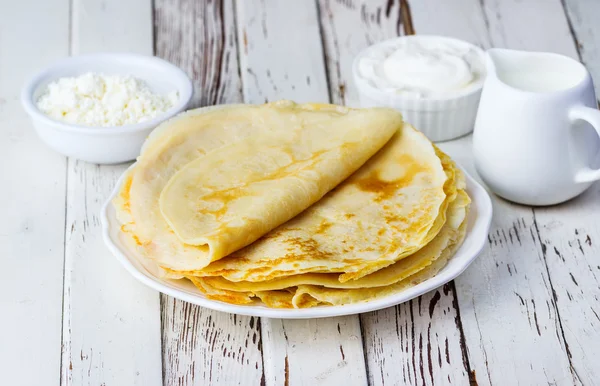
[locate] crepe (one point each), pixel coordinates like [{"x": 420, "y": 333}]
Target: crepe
[
  {"x": 383, "y": 277},
  {"x": 394, "y": 205},
  {"x": 311, "y": 289},
  {"x": 310, "y": 295},
  {"x": 210, "y": 183}
]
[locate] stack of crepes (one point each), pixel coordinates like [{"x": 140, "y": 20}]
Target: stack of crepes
[{"x": 294, "y": 205}]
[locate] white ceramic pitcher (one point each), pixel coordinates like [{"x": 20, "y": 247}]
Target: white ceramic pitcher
[{"x": 536, "y": 137}]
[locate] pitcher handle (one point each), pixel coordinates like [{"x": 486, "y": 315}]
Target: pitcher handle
[{"x": 591, "y": 116}]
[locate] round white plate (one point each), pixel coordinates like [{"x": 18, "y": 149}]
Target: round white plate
[{"x": 480, "y": 217}]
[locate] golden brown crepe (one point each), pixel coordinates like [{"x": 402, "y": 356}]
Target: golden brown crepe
[
  {"x": 391, "y": 207},
  {"x": 311, "y": 289},
  {"x": 215, "y": 181},
  {"x": 293, "y": 205}
]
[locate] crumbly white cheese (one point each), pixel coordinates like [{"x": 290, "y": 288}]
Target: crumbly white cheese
[{"x": 103, "y": 100}]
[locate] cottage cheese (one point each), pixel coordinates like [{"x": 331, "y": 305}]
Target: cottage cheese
[{"x": 103, "y": 100}]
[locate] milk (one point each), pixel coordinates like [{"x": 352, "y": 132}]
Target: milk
[{"x": 538, "y": 80}]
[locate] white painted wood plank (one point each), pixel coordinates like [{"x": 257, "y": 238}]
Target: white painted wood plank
[
  {"x": 281, "y": 57},
  {"x": 205, "y": 347},
  {"x": 199, "y": 37},
  {"x": 202, "y": 346},
  {"x": 313, "y": 352},
  {"x": 112, "y": 25},
  {"x": 569, "y": 237},
  {"x": 111, "y": 330},
  {"x": 348, "y": 28},
  {"x": 538, "y": 25},
  {"x": 280, "y": 51},
  {"x": 461, "y": 19},
  {"x": 32, "y": 201},
  {"x": 418, "y": 342}
]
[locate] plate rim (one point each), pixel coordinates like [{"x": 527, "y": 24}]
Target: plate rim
[{"x": 480, "y": 228}]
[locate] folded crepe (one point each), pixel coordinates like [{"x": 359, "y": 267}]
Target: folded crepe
[
  {"x": 394, "y": 205},
  {"x": 306, "y": 290},
  {"x": 211, "y": 182},
  {"x": 310, "y": 289}
]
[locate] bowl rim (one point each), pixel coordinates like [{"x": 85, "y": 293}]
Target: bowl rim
[
  {"x": 364, "y": 86},
  {"x": 185, "y": 94}
]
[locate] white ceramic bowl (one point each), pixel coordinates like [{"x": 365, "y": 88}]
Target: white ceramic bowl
[
  {"x": 440, "y": 119},
  {"x": 104, "y": 145}
]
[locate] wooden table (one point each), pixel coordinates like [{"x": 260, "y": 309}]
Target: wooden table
[{"x": 526, "y": 312}]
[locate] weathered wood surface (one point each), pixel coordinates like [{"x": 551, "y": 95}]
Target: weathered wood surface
[
  {"x": 201, "y": 346},
  {"x": 277, "y": 65},
  {"x": 526, "y": 312},
  {"x": 32, "y": 201},
  {"x": 111, "y": 322}
]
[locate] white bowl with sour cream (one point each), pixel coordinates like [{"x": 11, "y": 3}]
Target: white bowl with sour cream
[{"x": 434, "y": 81}]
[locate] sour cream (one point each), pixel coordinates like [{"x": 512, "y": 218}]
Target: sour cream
[{"x": 422, "y": 67}]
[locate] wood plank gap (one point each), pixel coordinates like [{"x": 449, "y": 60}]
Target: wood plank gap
[
  {"x": 263, "y": 378},
  {"x": 154, "y": 27},
  {"x": 405, "y": 19},
  {"x": 543, "y": 248},
  {"x": 463, "y": 341},
  {"x": 574, "y": 35},
  {"x": 238, "y": 52},
  {"x": 162, "y": 304},
  {"x": 486, "y": 20},
  {"x": 364, "y": 344},
  {"x": 324, "y": 50},
  {"x": 221, "y": 51},
  {"x": 571, "y": 29},
  {"x": 62, "y": 318}
]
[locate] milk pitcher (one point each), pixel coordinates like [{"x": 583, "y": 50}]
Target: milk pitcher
[{"x": 536, "y": 139}]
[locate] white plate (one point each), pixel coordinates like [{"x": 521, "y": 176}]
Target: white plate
[{"x": 480, "y": 217}]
